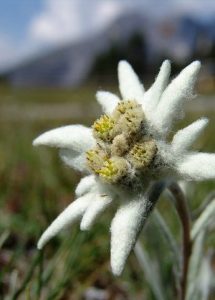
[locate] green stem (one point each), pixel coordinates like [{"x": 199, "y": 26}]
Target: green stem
[
  {"x": 182, "y": 210},
  {"x": 40, "y": 273},
  {"x": 28, "y": 277}
]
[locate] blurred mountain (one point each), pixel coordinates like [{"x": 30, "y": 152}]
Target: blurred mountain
[
  {"x": 184, "y": 38},
  {"x": 71, "y": 64},
  {"x": 134, "y": 37}
]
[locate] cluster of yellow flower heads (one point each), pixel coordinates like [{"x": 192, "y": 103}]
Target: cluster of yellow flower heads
[{"x": 123, "y": 145}]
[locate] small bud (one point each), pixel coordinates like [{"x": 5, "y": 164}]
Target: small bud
[
  {"x": 102, "y": 128},
  {"x": 142, "y": 154},
  {"x": 95, "y": 159},
  {"x": 113, "y": 169},
  {"x": 123, "y": 107},
  {"x": 119, "y": 145},
  {"x": 128, "y": 117}
]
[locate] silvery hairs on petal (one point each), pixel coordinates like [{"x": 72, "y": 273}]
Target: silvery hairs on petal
[{"x": 127, "y": 150}]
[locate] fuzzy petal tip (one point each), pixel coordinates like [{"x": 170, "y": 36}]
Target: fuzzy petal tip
[{"x": 125, "y": 229}]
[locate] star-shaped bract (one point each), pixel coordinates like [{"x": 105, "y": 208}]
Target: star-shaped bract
[{"x": 161, "y": 105}]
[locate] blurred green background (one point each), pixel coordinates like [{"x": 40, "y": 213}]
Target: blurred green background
[{"x": 54, "y": 56}]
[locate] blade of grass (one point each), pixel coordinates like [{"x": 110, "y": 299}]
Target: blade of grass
[
  {"x": 195, "y": 262},
  {"x": 28, "y": 277},
  {"x": 204, "y": 220},
  {"x": 150, "y": 274}
]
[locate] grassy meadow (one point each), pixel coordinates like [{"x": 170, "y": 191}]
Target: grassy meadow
[{"x": 35, "y": 186}]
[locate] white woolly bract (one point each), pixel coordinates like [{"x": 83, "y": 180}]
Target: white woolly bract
[
  {"x": 76, "y": 137},
  {"x": 85, "y": 185},
  {"x": 74, "y": 159},
  {"x": 185, "y": 137},
  {"x": 197, "y": 166},
  {"x": 152, "y": 96},
  {"x": 161, "y": 105},
  {"x": 173, "y": 97},
  {"x": 129, "y": 84},
  {"x": 73, "y": 212},
  {"x": 125, "y": 228},
  {"x": 107, "y": 100},
  {"x": 100, "y": 203}
]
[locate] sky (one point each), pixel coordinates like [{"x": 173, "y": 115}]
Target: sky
[{"x": 28, "y": 27}]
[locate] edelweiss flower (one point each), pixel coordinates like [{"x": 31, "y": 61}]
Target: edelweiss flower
[{"x": 125, "y": 151}]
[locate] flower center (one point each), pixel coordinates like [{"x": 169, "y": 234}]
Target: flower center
[{"x": 123, "y": 146}]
